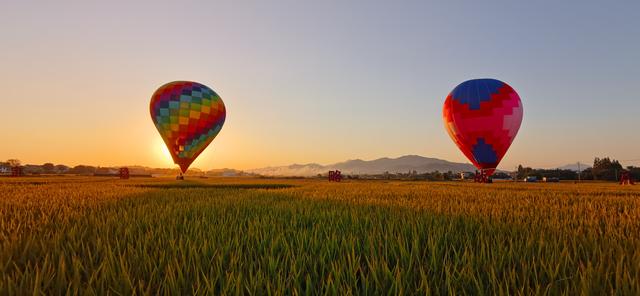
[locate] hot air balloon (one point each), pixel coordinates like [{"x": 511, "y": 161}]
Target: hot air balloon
[
  {"x": 188, "y": 116},
  {"x": 483, "y": 116}
]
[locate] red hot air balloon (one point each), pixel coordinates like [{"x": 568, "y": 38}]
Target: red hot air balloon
[
  {"x": 188, "y": 116},
  {"x": 483, "y": 116}
]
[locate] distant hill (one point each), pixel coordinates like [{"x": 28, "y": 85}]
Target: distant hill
[{"x": 378, "y": 166}]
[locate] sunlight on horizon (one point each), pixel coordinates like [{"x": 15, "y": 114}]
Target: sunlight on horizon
[{"x": 162, "y": 154}]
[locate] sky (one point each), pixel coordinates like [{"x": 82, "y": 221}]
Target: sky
[{"x": 316, "y": 81}]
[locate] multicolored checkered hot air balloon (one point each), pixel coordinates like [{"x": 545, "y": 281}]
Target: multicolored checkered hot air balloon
[
  {"x": 482, "y": 117},
  {"x": 188, "y": 116}
]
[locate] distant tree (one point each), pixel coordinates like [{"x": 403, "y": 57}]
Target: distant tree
[
  {"x": 82, "y": 170},
  {"x": 556, "y": 173},
  {"x": 48, "y": 168},
  {"x": 586, "y": 174},
  {"x": 61, "y": 168},
  {"x": 449, "y": 175},
  {"x": 438, "y": 176},
  {"x": 605, "y": 169},
  {"x": 33, "y": 169},
  {"x": 501, "y": 175},
  {"x": 14, "y": 162},
  {"x": 524, "y": 172},
  {"x": 520, "y": 174},
  {"x": 635, "y": 172}
]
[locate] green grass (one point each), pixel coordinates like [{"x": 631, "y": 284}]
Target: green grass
[{"x": 318, "y": 238}]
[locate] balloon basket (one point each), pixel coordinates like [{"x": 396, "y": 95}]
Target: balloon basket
[
  {"x": 482, "y": 177},
  {"x": 335, "y": 176},
  {"x": 180, "y": 177},
  {"x": 626, "y": 179}
]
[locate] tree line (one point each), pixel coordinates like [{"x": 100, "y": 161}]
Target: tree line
[{"x": 605, "y": 169}]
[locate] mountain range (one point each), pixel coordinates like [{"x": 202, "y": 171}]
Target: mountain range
[
  {"x": 401, "y": 164},
  {"x": 575, "y": 167}
]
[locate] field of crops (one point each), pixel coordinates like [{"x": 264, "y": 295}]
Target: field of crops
[{"x": 258, "y": 236}]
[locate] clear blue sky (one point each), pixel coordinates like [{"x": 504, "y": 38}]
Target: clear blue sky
[{"x": 316, "y": 81}]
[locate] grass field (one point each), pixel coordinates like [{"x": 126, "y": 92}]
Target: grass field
[{"x": 258, "y": 237}]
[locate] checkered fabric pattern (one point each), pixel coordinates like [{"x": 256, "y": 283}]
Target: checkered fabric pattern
[
  {"x": 188, "y": 116},
  {"x": 483, "y": 116}
]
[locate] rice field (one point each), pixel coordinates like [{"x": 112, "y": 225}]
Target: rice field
[{"x": 235, "y": 236}]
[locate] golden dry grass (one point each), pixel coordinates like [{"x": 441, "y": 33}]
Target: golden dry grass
[{"x": 240, "y": 236}]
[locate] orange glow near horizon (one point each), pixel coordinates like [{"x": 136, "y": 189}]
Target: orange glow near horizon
[
  {"x": 77, "y": 80},
  {"x": 162, "y": 154}
]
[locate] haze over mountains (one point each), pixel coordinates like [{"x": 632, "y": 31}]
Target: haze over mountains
[{"x": 401, "y": 164}]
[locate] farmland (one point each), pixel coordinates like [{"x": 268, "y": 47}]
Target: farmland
[{"x": 269, "y": 236}]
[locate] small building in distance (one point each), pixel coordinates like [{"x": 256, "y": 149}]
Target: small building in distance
[{"x": 5, "y": 168}]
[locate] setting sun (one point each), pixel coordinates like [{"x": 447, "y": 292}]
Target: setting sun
[{"x": 162, "y": 154}]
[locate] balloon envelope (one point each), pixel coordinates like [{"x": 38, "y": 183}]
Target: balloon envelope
[
  {"x": 188, "y": 116},
  {"x": 483, "y": 116}
]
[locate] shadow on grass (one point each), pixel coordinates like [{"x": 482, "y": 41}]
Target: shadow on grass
[{"x": 215, "y": 186}]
